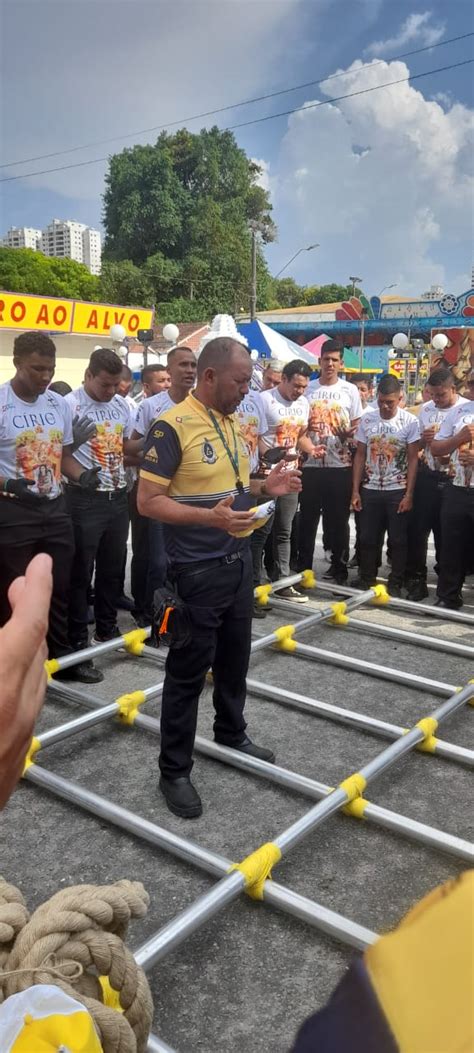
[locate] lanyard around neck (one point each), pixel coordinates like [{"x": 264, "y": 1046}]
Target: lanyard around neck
[{"x": 233, "y": 457}]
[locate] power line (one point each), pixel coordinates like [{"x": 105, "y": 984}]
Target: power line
[
  {"x": 232, "y": 106},
  {"x": 270, "y": 117}
]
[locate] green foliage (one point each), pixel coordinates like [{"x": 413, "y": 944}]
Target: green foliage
[
  {"x": 285, "y": 292},
  {"x": 27, "y": 271},
  {"x": 125, "y": 284}
]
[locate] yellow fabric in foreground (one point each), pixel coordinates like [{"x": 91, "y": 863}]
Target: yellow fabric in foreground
[
  {"x": 110, "y": 995},
  {"x": 128, "y": 706},
  {"x": 256, "y": 868},
  {"x": 51, "y": 666},
  {"x": 381, "y": 595},
  {"x": 262, "y": 593},
  {"x": 423, "y": 972},
  {"x": 339, "y": 617},
  {"x": 354, "y": 786},
  {"x": 308, "y": 580},
  {"x": 75, "y": 1033},
  {"x": 428, "y": 726}
]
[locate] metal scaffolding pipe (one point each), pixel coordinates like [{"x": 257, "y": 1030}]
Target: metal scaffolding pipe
[
  {"x": 156, "y": 1045},
  {"x": 413, "y": 638},
  {"x": 68, "y": 660},
  {"x": 104, "y": 710},
  {"x": 405, "y": 605},
  {"x": 319, "y": 616},
  {"x": 353, "y": 719},
  {"x": 394, "y": 821},
  {"x": 383, "y": 672},
  {"x": 314, "y": 914}
]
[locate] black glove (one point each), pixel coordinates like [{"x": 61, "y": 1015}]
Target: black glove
[
  {"x": 89, "y": 480},
  {"x": 82, "y": 430},
  {"x": 277, "y": 454},
  {"x": 21, "y": 488}
]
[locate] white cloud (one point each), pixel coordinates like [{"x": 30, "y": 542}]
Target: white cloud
[
  {"x": 264, "y": 179},
  {"x": 381, "y": 180},
  {"x": 417, "y": 28}
]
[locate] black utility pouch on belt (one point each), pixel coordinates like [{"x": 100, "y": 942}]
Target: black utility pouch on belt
[{"x": 171, "y": 621}]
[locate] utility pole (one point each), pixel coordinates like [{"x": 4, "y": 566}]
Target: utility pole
[
  {"x": 253, "y": 288},
  {"x": 191, "y": 290}
]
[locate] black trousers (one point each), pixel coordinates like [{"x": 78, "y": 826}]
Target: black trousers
[
  {"x": 424, "y": 518},
  {"x": 100, "y": 522},
  {"x": 326, "y": 492},
  {"x": 457, "y": 540},
  {"x": 219, "y": 599},
  {"x": 379, "y": 513},
  {"x": 140, "y": 562},
  {"x": 25, "y": 530}
]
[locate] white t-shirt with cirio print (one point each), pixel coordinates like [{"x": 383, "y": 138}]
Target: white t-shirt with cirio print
[
  {"x": 432, "y": 417},
  {"x": 32, "y": 436},
  {"x": 150, "y": 409},
  {"x": 104, "y": 450},
  {"x": 331, "y": 407},
  {"x": 283, "y": 420},
  {"x": 252, "y": 420},
  {"x": 387, "y": 441},
  {"x": 454, "y": 422}
]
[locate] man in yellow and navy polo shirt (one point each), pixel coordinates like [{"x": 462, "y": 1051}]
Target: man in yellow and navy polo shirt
[{"x": 195, "y": 479}]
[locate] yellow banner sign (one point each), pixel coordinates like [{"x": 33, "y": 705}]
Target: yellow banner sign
[
  {"x": 35, "y": 312},
  {"x": 45, "y": 313},
  {"x": 96, "y": 318}
]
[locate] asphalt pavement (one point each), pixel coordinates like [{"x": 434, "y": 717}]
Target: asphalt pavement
[{"x": 248, "y": 979}]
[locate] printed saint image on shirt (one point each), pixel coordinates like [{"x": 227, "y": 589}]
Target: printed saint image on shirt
[
  {"x": 387, "y": 461},
  {"x": 249, "y": 433},
  {"x": 107, "y": 452},
  {"x": 461, "y": 474},
  {"x": 427, "y": 458},
  {"x": 38, "y": 456},
  {"x": 286, "y": 434},
  {"x": 325, "y": 420}
]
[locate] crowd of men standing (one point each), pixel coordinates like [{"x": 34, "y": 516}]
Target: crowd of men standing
[{"x": 77, "y": 468}]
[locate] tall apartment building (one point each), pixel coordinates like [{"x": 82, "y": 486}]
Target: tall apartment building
[
  {"x": 22, "y": 238},
  {"x": 64, "y": 239},
  {"x": 434, "y": 293}
]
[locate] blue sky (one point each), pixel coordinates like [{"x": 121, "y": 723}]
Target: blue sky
[{"x": 382, "y": 181}]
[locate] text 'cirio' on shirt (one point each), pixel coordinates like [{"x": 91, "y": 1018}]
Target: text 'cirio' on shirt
[
  {"x": 32, "y": 436},
  {"x": 284, "y": 419},
  {"x": 387, "y": 441},
  {"x": 454, "y": 422},
  {"x": 151, "y": 408},
  {"x": 331, "y": 407},
  {"x": 183, "y": 451},
  {"x": 104, "y": 450},
  {"x": 430, "y": 416},
  {"x": 253, "y": 424}
]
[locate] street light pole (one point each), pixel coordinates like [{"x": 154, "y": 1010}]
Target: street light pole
[
  {"x": 354, "y": 279},
  {"x": 253, "y": 288},
  {"x": 305, "y": 248},
  {"x": 392, "y": 286}
]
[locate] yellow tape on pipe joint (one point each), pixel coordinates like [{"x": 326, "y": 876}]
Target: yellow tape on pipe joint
[
  {"x": 428, "y": 726},
  {"x": 128, "y": 706},
  {"x": 353, "y": 786},
  {"x": 34, "y": 746},
  {"x": 339, "y": 617},
  {"x": 134, "y": 641},
  {"x": 284, "y": 637},
  {"x": 257, "y": 867},
  {"x": 51, "y": 666},
  {"x": 308, "y": 580},
  {"x": 262, "y": 593},
  {"x": 381, "y": 595}
]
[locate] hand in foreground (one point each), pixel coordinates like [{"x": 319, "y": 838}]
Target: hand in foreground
[
  {"x": 406, "y": 504},
  {"x": 20, "y": 488},
  {"x": 283, "y": 480},
  {"x": 22, "y": 676},
  {"x": 356, "y": 503},
  {"x": 466, "y": 434},
  {"x": 83, "y": 429},
  {"x": 318, "y": 452},
  {"x": 222, "y": 517},
  {"x": 428, "y": 435},
  {"x": 344, "y": 434},
  {"x": 89, "y": 479}
]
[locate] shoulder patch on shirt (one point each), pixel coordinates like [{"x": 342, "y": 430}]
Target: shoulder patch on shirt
[{"x": 152, "y": 454}]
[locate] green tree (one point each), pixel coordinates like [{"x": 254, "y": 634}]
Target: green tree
[
  {"x": 126, "y": 284},
  {"x": 286, "y": 293},
  {"x": 27, "y": 271}
]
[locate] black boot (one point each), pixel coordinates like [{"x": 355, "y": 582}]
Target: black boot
[{"x": 181, "y": 797}]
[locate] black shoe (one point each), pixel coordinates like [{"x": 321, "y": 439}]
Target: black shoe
[
  {"x": 417, "y": 591},
  {"x": 124, "y": 603},
  {"x": 181, "y": 797},
  {"x": 359, "y": 583},
  {"x": 259, "y": 611},
  {"x": 455, "y": 606},
  {"x": 330, "y": 575},
  {"x": 394, "y": 591},
  {"x": 249, "y": 747},
  {"x": 113, "y": 635},
  {"x": 84, "y": 672}
]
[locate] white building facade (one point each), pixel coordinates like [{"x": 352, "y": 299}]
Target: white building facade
[
  {"x": 22, "y": 238},
  {"x": 62, "y": 239}
]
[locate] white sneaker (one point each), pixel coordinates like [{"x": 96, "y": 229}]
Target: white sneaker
[{"x": 291, "y": 594}]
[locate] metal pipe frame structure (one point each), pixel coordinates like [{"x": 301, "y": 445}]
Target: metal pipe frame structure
[
  {"x": 405, "y": 605},
  {"x": 251, "y": 875},
  {"x": 384, "y": 817}
]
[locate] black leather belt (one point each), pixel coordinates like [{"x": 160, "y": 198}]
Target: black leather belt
[{"x": 178, "y": 568}]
